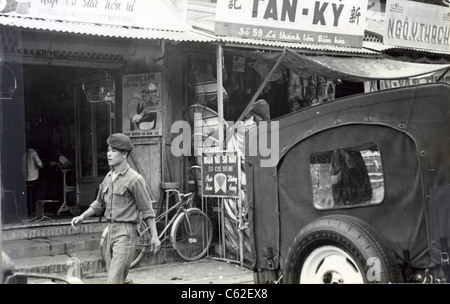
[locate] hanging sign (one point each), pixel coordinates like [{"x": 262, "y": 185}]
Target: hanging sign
[
  {"x": 154, "y": 14},
  {"x": 142, "y": 104},
  {"x": 417, "y": 25},
  {"x": 332, "y": 22},
  {"x": 220, "y": 174}
]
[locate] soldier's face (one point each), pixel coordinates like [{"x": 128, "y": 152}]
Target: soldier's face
[{"x": 115, "y": 156}]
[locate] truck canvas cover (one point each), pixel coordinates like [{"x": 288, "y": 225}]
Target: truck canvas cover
[{"x": 409, "y": 127}]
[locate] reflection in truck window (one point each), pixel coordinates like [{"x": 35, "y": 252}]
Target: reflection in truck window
[{"x": 347, "y": 177}]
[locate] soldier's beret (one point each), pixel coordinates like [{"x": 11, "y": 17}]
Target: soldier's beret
[{"x": 120, "y": 141}]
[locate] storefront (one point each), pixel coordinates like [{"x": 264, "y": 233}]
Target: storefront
[
  {"x": 289, "y": 56},
  {"x": 73, "y": 82},
  {"x": 401, "y": 34},
  {"x": 76, "y": 82}
]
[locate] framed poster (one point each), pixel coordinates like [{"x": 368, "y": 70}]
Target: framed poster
[
  {"x": 141, "y": 107},
  {"x": 221, "y": 174}
]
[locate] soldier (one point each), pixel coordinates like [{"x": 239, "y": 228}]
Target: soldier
[{"x": 122, "y": 196}]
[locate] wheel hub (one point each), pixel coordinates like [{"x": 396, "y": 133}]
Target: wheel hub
[
  {"x": 333, "y": 277},
  {"x": 330, "y": 265}
]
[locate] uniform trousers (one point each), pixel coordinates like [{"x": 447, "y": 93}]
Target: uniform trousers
[{"x": 121, "y": 245}]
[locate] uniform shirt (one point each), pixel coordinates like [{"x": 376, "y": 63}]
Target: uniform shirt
[
  {"x": 123, "y": 198},
  {"x": 32, "y": 163}
]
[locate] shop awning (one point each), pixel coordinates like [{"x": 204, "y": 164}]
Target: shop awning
[
  {"x": 345, "y": 68},
  {"x": 103, "y": 29}
]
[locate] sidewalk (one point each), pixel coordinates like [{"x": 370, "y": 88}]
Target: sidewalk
[{"x": 205, "y": 271}]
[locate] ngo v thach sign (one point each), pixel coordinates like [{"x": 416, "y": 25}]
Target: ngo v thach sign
[
  {"x": 418, "y": 25},
  {"x": 154, "y": 14},
  {"x": 332, "y": 22}
]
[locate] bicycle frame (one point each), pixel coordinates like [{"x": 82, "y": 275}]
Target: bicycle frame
[
  {"x": 182, "y": 215},
  {"x": 180, "y": 206}
]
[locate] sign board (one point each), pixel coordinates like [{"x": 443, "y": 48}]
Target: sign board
[
  {"x": 332, "y": 22},
  {"x": 376, "y": 14},
  {"x": 141, "y": 106},
  {"x": 154, "y": 14},
  {"x": 221, "y": 174},
  {"x": 417, "y": 25}
]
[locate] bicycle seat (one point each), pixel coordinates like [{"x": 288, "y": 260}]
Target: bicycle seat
[{"x": 186, "y": 194}]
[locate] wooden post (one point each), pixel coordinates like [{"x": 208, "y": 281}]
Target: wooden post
[
  {"x": 1, "y": 204},
  {"x": 220, "y": 94}
]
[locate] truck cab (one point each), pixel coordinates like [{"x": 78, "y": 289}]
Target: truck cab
[{"x": 360, "y": 192}]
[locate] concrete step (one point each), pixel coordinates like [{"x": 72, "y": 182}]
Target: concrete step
[
  {"x": 52, "y": 246},
  {"x": 49, "y": 228},
  {"x": 90, "y": 262}
]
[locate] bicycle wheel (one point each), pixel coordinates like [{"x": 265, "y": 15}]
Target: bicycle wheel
[
  {"x": 192, "y": 234},
  {"x": 104, "y": 243},
  {"x": 143, "y": 243}
]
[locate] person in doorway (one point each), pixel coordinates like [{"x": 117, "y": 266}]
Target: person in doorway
[
  {"x": 350, "y": 179},
  {"x": 31, "y": 166},
  {"x": 122, "y": 196}
]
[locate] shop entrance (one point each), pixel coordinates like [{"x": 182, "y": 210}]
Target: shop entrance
[{"x": 67, "y": 124}]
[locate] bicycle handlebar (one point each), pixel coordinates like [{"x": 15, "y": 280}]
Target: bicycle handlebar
[{"x": 179, "y": 193}]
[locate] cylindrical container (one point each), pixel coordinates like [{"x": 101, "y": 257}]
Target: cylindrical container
[{"x": 23, "y": 6}]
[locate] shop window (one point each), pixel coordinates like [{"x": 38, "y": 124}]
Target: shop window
[
  {"x": 95, "y": 125},
  {"x": 347, "y": 177}
]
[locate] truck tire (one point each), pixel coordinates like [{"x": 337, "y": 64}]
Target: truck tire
[{"x": 340, "y": 249}]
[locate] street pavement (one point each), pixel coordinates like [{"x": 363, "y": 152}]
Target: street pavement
[{"x": 205, "y": 271}]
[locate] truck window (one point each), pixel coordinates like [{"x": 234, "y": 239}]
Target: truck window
[{"x": 347, "y": 177}]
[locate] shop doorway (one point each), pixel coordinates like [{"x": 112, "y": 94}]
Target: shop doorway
[
  {"x": 94, "y": 123},
  {"x": 68, "y": 129}
]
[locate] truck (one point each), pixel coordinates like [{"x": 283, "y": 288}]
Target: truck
[{"x": 360, "y": 192}]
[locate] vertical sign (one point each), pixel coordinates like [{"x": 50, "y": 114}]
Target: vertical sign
[
  {"x": 220, "y": 173},
  {"x": 376, "y": 15},
  {"x": 141, "y": 105},
  {"x": 331, "y": 22}
]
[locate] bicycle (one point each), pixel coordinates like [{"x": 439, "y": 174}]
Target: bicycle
[{"x": 190, "y": 235}]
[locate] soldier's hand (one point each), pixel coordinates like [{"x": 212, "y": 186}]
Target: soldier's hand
[
  {"x": 155, "y": 244},
  {"x": 76, "y": 220}
]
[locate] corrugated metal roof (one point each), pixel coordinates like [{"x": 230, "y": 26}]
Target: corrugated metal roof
[
  {"x": 192, "y": 34},
  {"x": 102, "y": 29},
  {"x": 376, "y": 46},
  {"x": 298, "y": 46},
  {"x": 282, "y": 44}
]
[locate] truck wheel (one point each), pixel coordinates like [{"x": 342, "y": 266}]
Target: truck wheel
[{"x": 340, "y": 249}]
